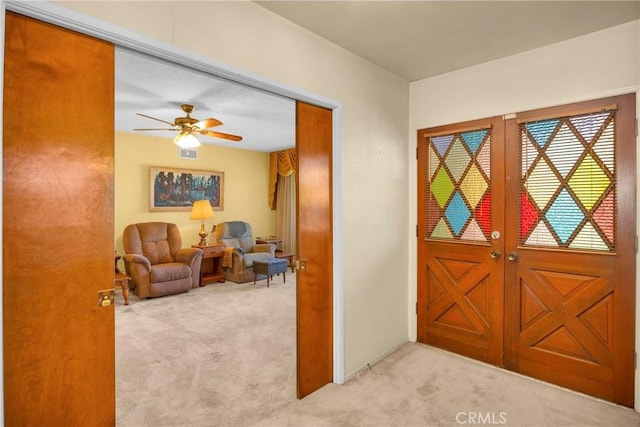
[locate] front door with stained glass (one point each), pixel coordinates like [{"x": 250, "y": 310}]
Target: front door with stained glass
[
  {"x": 461, "y": 275},
  {"x": 541, "y": 269},
  {"x": 570, "y": 269}
]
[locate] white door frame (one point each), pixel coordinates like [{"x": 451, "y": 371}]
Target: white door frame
[{"x": 123, "y": 38}]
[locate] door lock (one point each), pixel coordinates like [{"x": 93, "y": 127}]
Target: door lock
[
  {"x": 106, "y": 297},
  {"x": 512, "y": 256},
  {"x": 495, "y": 254},
  {"x": 300, "y": 264}
]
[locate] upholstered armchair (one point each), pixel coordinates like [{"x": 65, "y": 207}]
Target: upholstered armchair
[
  {"x": 156, "y": 262},
  {"x": 241, "y": 250}
]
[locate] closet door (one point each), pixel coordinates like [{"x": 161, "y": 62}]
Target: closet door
[{"x": 57, "y": 226}]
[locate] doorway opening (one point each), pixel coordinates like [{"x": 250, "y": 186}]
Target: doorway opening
[{"x": 58, "y": 17}]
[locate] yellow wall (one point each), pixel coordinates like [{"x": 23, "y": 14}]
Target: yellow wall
[{"x": 246, "y": 181}]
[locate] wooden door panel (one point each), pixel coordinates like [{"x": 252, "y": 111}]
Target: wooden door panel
[
  {"x": 565, "y": 319},
  {"x": 59, "y": 353},
  {"x": 460, "y": 293},
  {"x": 461, "y": 313},
  {"x": 315, "y": 245},
  {"x": 570, "y": 309}
]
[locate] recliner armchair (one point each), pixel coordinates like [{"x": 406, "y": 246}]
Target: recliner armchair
[
  {"x": 156, "y": 262},
  {"x": 239, "y": 236}
]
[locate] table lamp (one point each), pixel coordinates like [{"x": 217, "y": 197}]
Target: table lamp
[{"x": 201, "y": 210}]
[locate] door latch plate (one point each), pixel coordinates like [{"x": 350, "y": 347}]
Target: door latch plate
[{"x": 106, "y": 297}]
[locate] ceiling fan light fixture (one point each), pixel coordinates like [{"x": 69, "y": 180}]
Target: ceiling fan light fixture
[
  {"x": 186, "y": 140},
  {"x": 188, "y": 126}
]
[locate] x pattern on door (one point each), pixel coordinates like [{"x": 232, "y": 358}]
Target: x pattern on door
[
  {"x": 558, "y": 314},
  {"x": 458, "y": 294}
]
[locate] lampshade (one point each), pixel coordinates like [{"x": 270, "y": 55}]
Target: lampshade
[
  {"x": 186, "y": 140},
  {"x": 201, "y": 209}
]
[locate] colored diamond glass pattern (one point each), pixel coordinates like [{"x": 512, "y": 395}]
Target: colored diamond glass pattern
[
  {"x": 542, "y": 184},
  {"x": 441, "y": 143},
  {"x": 457, "y": 160},
  {"x": 564, "y": 141},
  {"x": 458, "y": 187},
  {"x": 541, "y": 131},
  {"x": 589, "y": 182},
  {"x": 564, "y": 216},
  {"x": 457, "y": 213},
  {"x": 567, "y": 182},
  {"x": 474, "y": 186},
  {"x": 442, "y": 187}
]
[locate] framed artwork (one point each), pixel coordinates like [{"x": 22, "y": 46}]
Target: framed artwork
[{"x": 173, "y": 189}]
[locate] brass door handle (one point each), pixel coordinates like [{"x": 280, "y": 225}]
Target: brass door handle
[
  {"x": 512, "y": 256},
  {"x": 300, "y": 264},
  {"x": 495, "y": 254}
]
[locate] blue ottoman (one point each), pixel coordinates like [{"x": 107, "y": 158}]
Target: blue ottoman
[{"x": 269, "y": 268}]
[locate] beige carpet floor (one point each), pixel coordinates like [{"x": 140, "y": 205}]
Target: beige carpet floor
[{"x": 224, "y": 355}]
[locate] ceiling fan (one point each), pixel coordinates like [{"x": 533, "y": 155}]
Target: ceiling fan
[{"x": 188, "y": 126}]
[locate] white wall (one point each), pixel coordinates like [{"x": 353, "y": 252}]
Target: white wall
[
  {"x": 593, "y": 66},
  {"x": 373, "y": 143},
  {"x": 597, "y": 65}
]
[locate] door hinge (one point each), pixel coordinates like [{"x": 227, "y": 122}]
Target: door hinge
[
  {"x": 636, "y": 129},
  {"x": 416, "y": 230},
  {"x": 635, "y": 360},
  {"x": 416, "y": 307},
  {"x": 635, "y": 244},
  {"x": 417, "y": 147}
]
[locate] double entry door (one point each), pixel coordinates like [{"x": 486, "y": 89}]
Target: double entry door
[{"x": 526, "y": 243}]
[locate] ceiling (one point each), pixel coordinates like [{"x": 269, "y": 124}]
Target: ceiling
[
  {"x": 157, "y": 88},
  {"x": 410, "y": 39},
  {"x": 419, "y": 39}
]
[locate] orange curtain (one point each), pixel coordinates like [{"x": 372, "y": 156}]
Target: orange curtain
[{"x": 281, "y": 163}]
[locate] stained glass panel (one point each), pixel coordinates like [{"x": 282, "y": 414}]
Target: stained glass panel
[
  {"x": 568, "y": 186},
  {"x": 458, "y": 188}
]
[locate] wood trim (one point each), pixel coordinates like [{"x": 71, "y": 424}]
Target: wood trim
[
  {"x": 563, "y": 111},
  {"x": 457, "y": 130},
  {"x": 625, "y": 295}
]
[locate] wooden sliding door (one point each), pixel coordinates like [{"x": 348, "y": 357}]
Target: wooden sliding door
[{"x": 57, "y": 226}]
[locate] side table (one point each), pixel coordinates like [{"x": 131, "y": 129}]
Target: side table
[
  {"x": 288, "y": 257},
  {"x": 211, "y": 266},
  {"x": 272, "y": 240},
  {"x": 122, "y": 280}
]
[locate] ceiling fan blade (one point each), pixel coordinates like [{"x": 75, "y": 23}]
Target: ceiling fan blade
[
  {"x": 208, "y": 123},
  {"x": 153, "y": 118},
  {"x": 221, "y": 135},
  {"x": 172, "y": 129}
]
